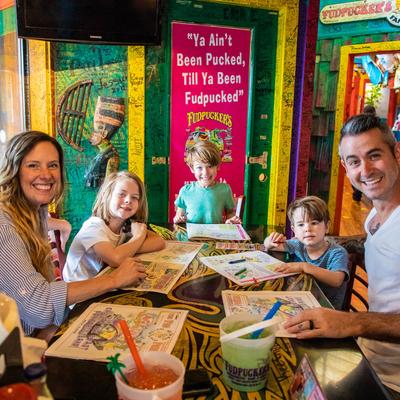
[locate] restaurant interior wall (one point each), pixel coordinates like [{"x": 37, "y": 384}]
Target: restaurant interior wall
[{"x": 141, "y": 75}]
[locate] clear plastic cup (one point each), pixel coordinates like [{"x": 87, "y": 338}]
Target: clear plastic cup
[
  {"x": 246, "y": 361},
  {"x": 151, "y": 359}
]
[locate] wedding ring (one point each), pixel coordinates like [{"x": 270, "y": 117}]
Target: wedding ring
[{"x": 311, "y": 324}]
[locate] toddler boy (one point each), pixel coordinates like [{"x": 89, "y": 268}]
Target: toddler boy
[{"x": 314, "y": 254}]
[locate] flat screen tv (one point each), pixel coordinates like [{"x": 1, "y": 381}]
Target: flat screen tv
[{"x": 99, "y": 21}]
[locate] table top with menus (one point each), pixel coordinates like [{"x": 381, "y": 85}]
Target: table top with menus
[{"x": 342, "y": 371}]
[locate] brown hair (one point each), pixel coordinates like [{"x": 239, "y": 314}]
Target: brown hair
[
  {"x": 101, "y": 207},
  {"x": 362, "y": 123},
  {"x": 26, "y": 220},
  {"x": 314, "y": 207},
  {"x": 204, "y": 151}
]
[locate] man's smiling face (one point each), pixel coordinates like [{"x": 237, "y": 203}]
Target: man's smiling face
[{"x": 370, "y": 164}]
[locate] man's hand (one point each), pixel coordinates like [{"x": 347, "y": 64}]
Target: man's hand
[{"x": 325, "y": 322}]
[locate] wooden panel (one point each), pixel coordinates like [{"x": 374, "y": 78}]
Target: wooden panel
[
  {"x": 308, "y": 93},
  {"x": 11, "y": 113},
  {"x": 332, "y": 84},
  {"x": 157, "y": 131},
  {"x": 335, "y": 60},
  {"x": 320, "y": 125},
  {"x": 326, "y": 50},
  {"x": 136, "y": 143},
  {"x": 321, "y": 95},
  {"x": 41, "y": 95}
]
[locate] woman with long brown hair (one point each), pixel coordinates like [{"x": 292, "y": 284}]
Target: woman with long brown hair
[{"x": 31, "y": 177}]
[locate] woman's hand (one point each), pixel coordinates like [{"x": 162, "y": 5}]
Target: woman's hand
[{"x": 130, "y": 272}]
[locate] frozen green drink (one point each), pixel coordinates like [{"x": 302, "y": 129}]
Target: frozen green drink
[{"x": 246, "y": 360}]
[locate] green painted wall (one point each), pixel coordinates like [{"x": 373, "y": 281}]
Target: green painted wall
[{"x": 7, "y": 21}]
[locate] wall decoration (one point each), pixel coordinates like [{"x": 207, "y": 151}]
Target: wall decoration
[
  {"x": 71, "y": 113},
  {"x": 351, "y": 18},
  {"x": 108, "y": 118},
  {"x": 106, "y": 67},
  {"x": 210, "y": 67},
  {"x": 222, "y": 138}
]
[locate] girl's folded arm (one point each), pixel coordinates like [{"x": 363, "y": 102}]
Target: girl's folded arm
[
  {"x": 113, "y": 256},
  {"x": 153, "y": 242}
]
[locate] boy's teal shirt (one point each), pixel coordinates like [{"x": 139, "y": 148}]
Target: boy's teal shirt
[{"x": 205, "y": 205}]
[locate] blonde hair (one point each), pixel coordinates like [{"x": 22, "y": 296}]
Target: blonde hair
[
  {"x": 203, "y": 151},
  {"x": 29, "y": 224},
  {"x": 312, "y": 206},
  {"x": 101, "y": 207}
]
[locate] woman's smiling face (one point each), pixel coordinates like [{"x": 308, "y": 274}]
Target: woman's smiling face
[{"x": 40, "y": 174}]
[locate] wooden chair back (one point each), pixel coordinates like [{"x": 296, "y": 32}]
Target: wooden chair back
[
  {"x": 239, "y": 205},
  {"x": 356, "y": 298}
]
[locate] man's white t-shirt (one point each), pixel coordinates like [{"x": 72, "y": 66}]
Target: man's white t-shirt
[{"x": 382, "y": 261}]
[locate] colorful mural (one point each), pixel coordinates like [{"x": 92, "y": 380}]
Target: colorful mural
[{"x": 103, "y": 139}]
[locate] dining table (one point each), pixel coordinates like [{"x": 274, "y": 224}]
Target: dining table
[{"x": 339, "y": 365}]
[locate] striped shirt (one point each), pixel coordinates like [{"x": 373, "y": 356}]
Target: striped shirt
[{"x": 39, "y": 302}]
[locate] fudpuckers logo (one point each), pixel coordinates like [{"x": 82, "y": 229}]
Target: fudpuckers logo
[{"x": 221, "y": 137}]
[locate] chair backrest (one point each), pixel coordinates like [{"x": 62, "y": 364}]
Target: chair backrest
[
  {"x": 57, "y": 255},
  {"x": 356, "y": 298},
  {"x": 239, "y": 205}
]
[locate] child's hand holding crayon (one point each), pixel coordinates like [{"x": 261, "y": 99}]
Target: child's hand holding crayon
[{"x": 275, "y": 240}]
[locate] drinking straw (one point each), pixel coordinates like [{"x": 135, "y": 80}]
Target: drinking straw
[
  {"x": 248, "y": 329},
  {"x": 270, "y": 314},
  {"x": 132, "y": 347}
]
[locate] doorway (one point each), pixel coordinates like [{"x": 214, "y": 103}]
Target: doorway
[
  {"x": 367, "y": 77},
  {"x": 241, "y": 129}
]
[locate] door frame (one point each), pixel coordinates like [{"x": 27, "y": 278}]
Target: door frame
[
  {"x": 284, "y": 95},
  {"x": 347, "y": 54}
]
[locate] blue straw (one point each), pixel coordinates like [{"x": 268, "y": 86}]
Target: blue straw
[{"x": 269, "y": 315}]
